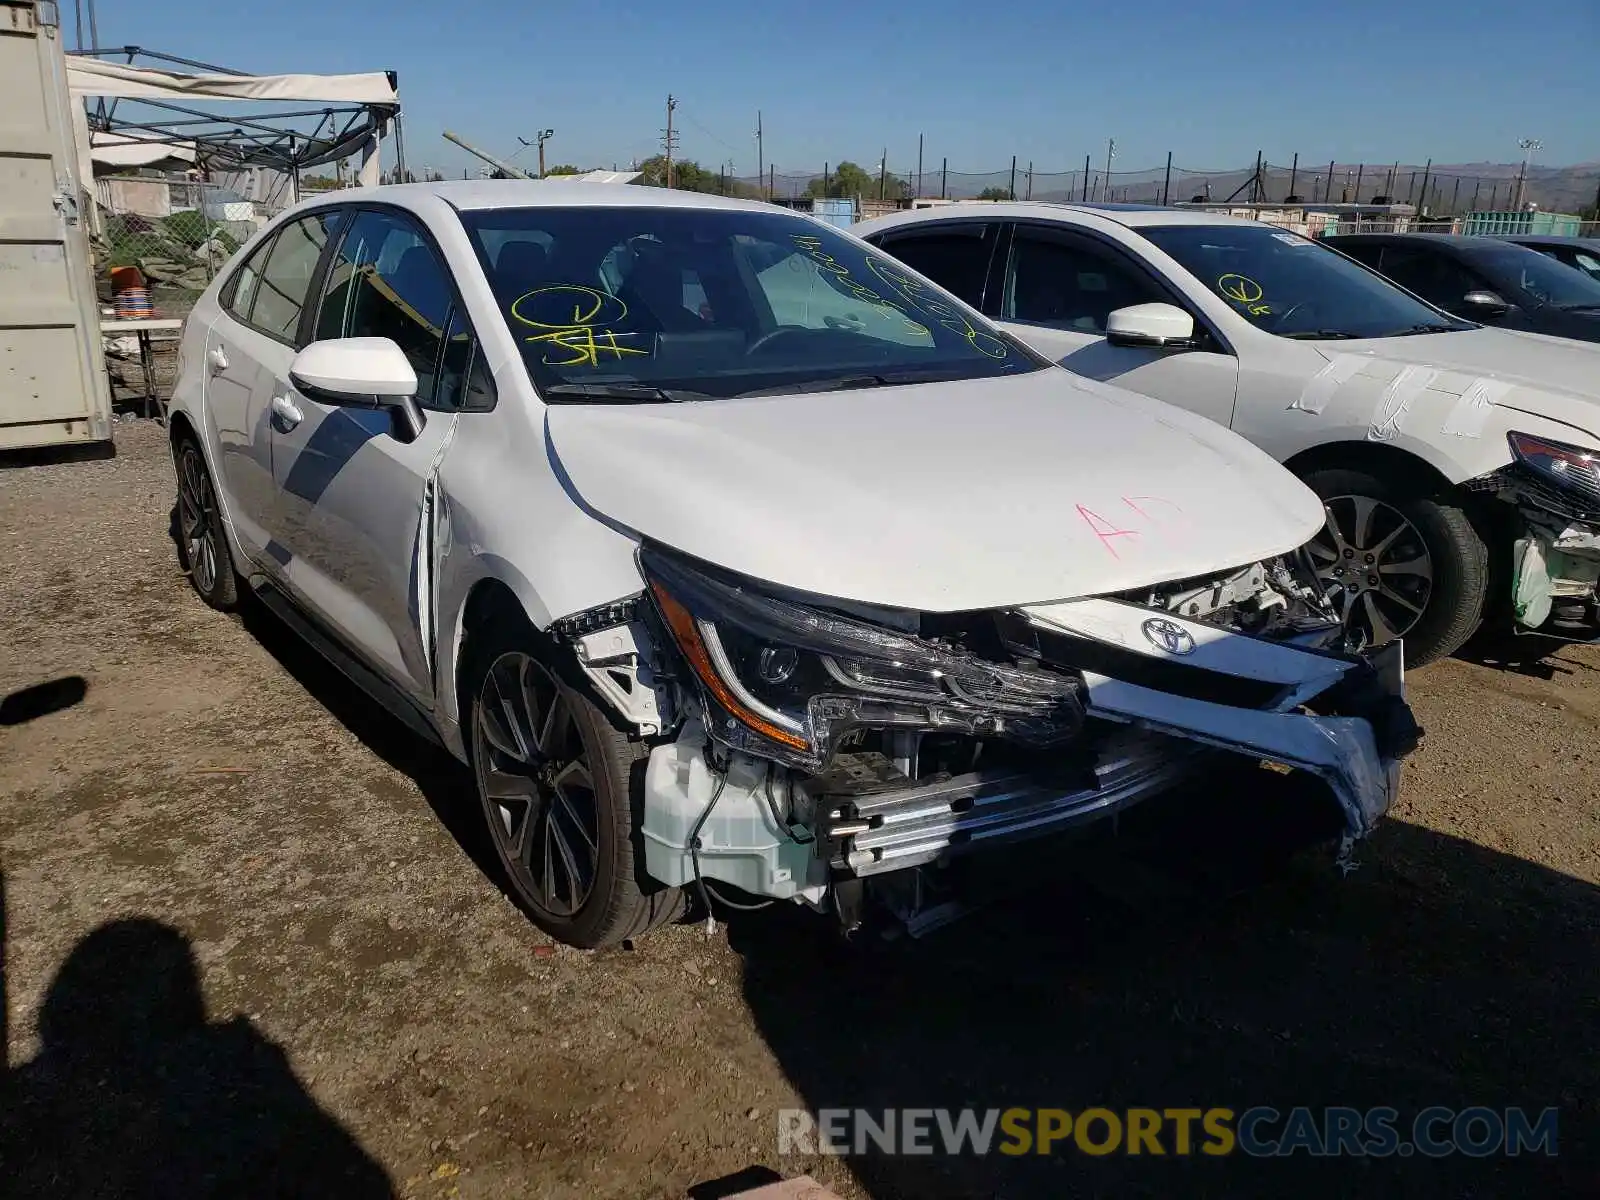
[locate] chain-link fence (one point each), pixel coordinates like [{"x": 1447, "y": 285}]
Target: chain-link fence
[
  {"x": 176, "y": 231},
  {"x": 1554, "y": 189}
]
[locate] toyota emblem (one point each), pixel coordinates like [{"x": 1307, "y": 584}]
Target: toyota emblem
[{"x": 1168, "y": 635}]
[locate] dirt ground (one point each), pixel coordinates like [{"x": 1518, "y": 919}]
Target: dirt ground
[{"x": 254, "y": 944}]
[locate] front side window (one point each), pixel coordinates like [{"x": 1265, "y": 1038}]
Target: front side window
[
  {"x": 1065, "y": 284},
  {"x": 1537, "y": 280},
  {"x": 387, "y": 281},
  {"x": 241, "y": 289},
  {"x": 954, "y": 257},
  {"x": 1435, "y": 277},
  {"x": 281, "y": 294},
  {"x": 719, "y": 303},
  {"x": 1290, "y": 286}
]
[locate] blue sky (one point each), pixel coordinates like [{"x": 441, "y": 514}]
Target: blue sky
[{"x": 1211, "y": 80}]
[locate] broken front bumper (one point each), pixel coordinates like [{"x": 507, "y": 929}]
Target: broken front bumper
[{"x": 1157, "y": 714}]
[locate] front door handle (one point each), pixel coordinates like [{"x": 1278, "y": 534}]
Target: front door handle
[
  {"x": 217, "y": 359},
  {"x": 287, "y": 411}
]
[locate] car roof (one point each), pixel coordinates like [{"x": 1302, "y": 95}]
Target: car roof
[
  {"x": 1549, "y": 239},
  {"x": 1450, "y": 243},
  {"x": 472, "y": 195},
  {"x": 1131, "y": 216}
]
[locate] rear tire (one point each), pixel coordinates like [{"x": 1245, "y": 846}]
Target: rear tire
[
  {"x": 202, "y": 541},
  {"x": 562, "y": 791},
  {"x": 1403, "y": 561}
]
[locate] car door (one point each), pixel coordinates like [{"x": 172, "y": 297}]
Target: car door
[
  {"x": 1056, "y": 292},
  {"x": 235, "y": 406},
  {"x": 355, "y": 518}
]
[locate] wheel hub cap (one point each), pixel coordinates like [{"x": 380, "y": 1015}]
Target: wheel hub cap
[
  {"x": 1374, "y": 567},
  {"x": 537, "y": 788}
]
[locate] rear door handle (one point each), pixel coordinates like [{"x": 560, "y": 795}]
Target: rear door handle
[
  {"x": 217, "y": 359},
  {"x": 287, "y": 411}
]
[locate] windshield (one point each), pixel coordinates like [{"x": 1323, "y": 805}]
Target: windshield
[
  {"x": 1285, "y": 284},
  {"x": 616, "y": 304},
  {"x": 1541, "y": 279}
]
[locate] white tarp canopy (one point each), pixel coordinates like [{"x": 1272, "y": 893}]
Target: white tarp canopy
[
  {"x": 92, "y": 77},
  {"x": 120, "y": 151}
]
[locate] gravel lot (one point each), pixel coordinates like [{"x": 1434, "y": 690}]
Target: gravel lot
[{"x": 378, "y": 1017}]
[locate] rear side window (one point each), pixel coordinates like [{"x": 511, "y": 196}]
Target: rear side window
[
  {"x": 240, "y": 292},
  {"x": 285, "y": 281},
  {"x": 387, "y": 281},
  {"x": 956, "y": 259}
]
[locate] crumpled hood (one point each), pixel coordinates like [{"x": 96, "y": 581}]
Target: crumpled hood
[
  {"x": 938, "y": 497},
  {"x": 1548, "y": 376}
]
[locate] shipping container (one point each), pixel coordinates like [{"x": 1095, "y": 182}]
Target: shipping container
[
  {"x": 1502, "y": 224},
  {"x": 53, "y": 384},
  {"x": 840, "y": 212}
]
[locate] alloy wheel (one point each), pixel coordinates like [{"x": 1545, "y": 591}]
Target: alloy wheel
[
  {"x": 197, "y": 504},
  {"x": 1374, "y": 567},
  {"x": 536, "y": 782}
]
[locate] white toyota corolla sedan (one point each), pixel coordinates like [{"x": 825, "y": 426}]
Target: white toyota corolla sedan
[
  {"x": 1459, "y": 463},
  {"x": 731, "y": 554}
]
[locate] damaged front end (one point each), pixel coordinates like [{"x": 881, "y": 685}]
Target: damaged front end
[
  {"x": 1554, "y": 492},
  {"x": 802, "y": 748}
]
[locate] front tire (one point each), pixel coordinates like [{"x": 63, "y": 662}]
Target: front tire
[
  {"x": 562, "y": 793},
  {"x": 1399, "y": 562},
  {"x": 202, "y": 542}
]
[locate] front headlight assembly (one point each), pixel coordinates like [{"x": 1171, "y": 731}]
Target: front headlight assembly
[
  {"x": 788, "y": 681},
  {"x": 1574, "y": 469}
]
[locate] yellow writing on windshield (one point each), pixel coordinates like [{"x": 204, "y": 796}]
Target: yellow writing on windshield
[
  {"x": 1245, "y": 292},
  {"x": 576, "y": 321}
]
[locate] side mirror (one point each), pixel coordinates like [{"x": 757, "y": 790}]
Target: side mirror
[
  {"x": 360, "y": 372},
  {"x": 1487, "y": 305},
  {"x": 1163, "y": 326}
]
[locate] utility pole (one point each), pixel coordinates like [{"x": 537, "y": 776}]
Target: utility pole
[
  {"x": 919, "y": 166},
  {"x": 544, "y": 136},
  {"x": 1166, "y": 184},
  {"x": 669, "y": 139},
  {"x": 1085, "y": 178},
  {"x": 1111, "y": 152},
  {"x": 883, "y": 171},
  {"x": 1011, "y": 192},
  {"x": 761, "y": 151},
  {"x": 1030, "y": 182},
  {"x": 1426, "y": 171},
  {"x": 944, "y": 179},
  {"x": 1530, "y": 147}
]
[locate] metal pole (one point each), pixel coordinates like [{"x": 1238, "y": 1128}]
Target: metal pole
[
  {"x": 824, "y": 179},
  {"x": 1257, "y": 188},
  {"x": 1476, "y": 184},
  {"x": 1389, "y": 187},
  {"x": 1294, "y": 172},
  {"x": 1360, "y": 167},
  {"x": 772, "y": 187},
  {"x": 1030, "y": 182},
  {"x": 761, "y": 167},
  {"x": 1494, "y": 196},
  {"x": 671, "y": 104},
  {"x": 1166, "y": 184},
  {"x": 487, "y": 157},
  {"x": 1426, "y": 171},
  {"x": 1086, "y": 178},
  {"x": 944, "y": 179},
  {"x": 400, "y": 150},
  {"x": 1411, "y": 191},
  {"x": 919, "y": 166},
  {"x": 883, "y": 172},
  {"x": 1011, "y": 192},
  {"x": 1455, "y": 199}
]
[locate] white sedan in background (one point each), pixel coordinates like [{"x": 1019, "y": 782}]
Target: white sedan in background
[{"x": 1458, "y": 463}]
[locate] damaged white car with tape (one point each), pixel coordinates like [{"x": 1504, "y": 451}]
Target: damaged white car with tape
[
  {"x": 1460, "y": 463},
  {"x": 731, "y": 555}
]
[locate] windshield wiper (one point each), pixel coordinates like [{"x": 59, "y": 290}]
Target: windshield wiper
[
  {"x": 620, "y": 393},
  {"x": 1317, "y": 335},
  {"x": 844, "y": 383}
]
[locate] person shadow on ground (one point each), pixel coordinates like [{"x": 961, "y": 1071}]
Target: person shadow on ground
[{"x": 136, "y": 1094}]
